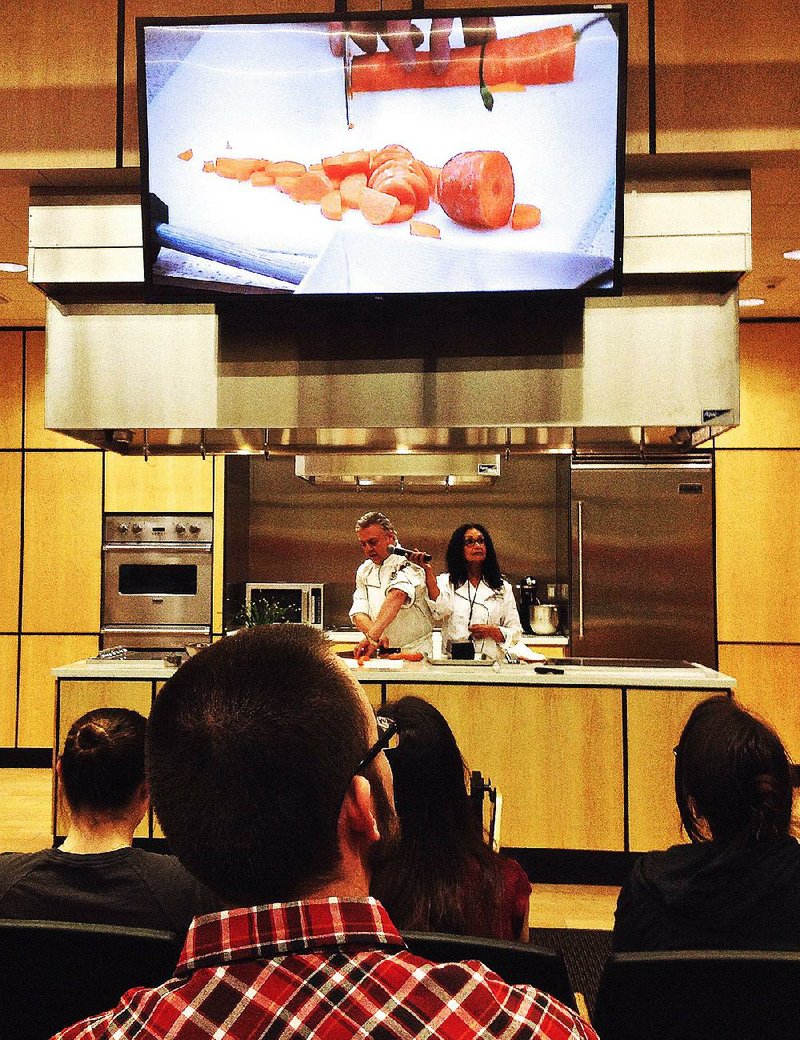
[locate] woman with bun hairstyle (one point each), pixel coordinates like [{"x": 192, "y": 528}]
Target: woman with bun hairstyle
[
  {"x": 442, "y": 876},
  {"x": 473, "y": 601},
  {"x": 96, "y": 876},
  {"x": 736, "y": 885}
]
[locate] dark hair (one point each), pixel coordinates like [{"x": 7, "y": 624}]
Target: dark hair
[
  {"x": 457, "y": 564},
  {"x": 252, "y": 745},
  {"x": 442, "y": 877},
  {"x": 102, "y": 764},
  {"x": 732, "y": 771}
]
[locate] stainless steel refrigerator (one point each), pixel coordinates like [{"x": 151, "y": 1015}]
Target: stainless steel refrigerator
[{"x": 642, "y": 559}]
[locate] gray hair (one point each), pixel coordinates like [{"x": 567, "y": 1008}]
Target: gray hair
[{"x": 375, "y": 519}]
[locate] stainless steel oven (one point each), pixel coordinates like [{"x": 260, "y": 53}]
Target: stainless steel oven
[{"x": 156, "y": 580}]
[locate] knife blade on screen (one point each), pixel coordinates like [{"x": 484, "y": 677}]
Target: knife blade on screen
[{"x": 347, "y": 69}]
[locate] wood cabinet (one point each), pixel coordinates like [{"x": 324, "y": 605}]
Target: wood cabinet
[
  {"x": 554, "y": 753},
  {"x": 11, "y": 389},
  {"x": 39, "y": 654},
  {"x": 10, "y": 533},
  {"x": 61, "y": 558},
  {"x": 36, "y": 436},
  {"x": 758, "y": 530},
  {"x": 8, "y": 689},
  {"x": 655, "y": 721},
  {"x": 162, "y": 484},
  {"x": 768, "y": 678}
]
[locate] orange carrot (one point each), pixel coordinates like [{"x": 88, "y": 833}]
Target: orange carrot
[
  {"x": 351, "y": 188},
  {"x": 209, "y": 166},
  {"x": 525, "y": 216},
  {"x": 377, "y": 207},
  {"x": 285, "y": 184},
  {"x": 394, "y": 183},
  {"x": 403, "y": 213},
  {"x": 476, "y": 189},
  {"x": 310, "y": 187},
  {"x": 546, "y": 56},
  {"x": 389, "y": 151},
  {"x": 508, "y": 88},
  {"x": 238, "y": 169},
  {"x": 261, "y": 179},
  {"x": 409, "y": 173},
  {"x": 186, "y": 156},
  {"x": 285, "y": 168},
  {"x": 424, "y": 230},
  {"x": 337, "y": 167},
  {"x": 331, "y": 205}
]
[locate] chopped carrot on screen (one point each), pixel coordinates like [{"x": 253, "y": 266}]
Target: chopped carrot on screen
[
  {"x": 424, "y": 230},
  {"x": 331, "y": 205},
  {"x": 377, "y": 207},
  {"x": 525, "y": 216},
  {"x": 186, "y": 156},
  {"x": 351, "y": 188},
  {"x": 476, "y": 189}
]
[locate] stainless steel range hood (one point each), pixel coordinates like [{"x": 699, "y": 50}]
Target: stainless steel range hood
[{"x": 398, "y": 472}]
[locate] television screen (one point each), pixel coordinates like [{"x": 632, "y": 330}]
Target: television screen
[{"x": 473, "y": 153}]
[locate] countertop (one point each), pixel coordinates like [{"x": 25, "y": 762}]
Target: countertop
[
  {"x": 693, "y": 677},
  {"x": 350, "y": 635}
]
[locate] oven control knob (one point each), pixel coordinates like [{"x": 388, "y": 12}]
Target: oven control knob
[
  {"x": 180, "y": 528},
  {"x": 136, "y": 528},
  {"x": 122, "y": 528},
  {"x": 194, "y": 528}
]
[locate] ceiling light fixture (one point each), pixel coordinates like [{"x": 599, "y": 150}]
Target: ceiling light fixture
[
  {"x": 754, "y": 301},
  {"x": 12, "y": 268},
  {"x": 792, "y": 254}
]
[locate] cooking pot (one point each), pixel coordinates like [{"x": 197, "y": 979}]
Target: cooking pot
[{"x": 544, "y": 619}]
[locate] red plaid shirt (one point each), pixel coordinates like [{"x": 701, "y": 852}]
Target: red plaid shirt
[{"x": 329, "y": 968}]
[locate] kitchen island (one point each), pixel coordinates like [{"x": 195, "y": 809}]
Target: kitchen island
[{"x": 582, "y": 754}]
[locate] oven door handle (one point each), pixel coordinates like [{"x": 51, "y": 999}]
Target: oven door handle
[{"x": 204, "y": 547}]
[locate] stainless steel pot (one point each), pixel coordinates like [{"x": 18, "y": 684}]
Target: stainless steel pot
[{"x": 544, "y": 619}]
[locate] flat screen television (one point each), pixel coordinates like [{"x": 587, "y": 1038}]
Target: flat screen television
[{"x": 280, "y": 157}]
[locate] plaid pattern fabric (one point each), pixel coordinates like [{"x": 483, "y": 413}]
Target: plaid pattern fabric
[{"x": 329, "y": 968}]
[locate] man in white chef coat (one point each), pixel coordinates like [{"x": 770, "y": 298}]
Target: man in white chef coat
[{"x": 390, "y": 605}]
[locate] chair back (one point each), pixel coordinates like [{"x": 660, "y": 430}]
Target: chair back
[
  {"x": 700, "y": 995},
  {"x": 54, "y": 973},
  {"x": 514, "y": 962}
]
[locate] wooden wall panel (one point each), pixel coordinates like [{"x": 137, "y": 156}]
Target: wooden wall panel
[
  {"x": 61, "y": 559},
  {"x": 768, "y": 679},
  {"x": 655, "y": 721},
  {"x": 40, "y": 654},
  {"x": 10, "y": 510},
  {"x": 36, "y": 436},
  {"x": 758, "y": 546},
  {"x": 8, "y": 690},
  {"x": 163, "y": 484},
  {"x": 769, "y": 387},
  {"x": 58, "y": 84},
  {"x": 10, "y": 389},
  {"x": 726, "y": 75},
  {"x": 555, "y": 754}
]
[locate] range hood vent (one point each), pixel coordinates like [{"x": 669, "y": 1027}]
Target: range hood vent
[{"x": 398, "y": 471}]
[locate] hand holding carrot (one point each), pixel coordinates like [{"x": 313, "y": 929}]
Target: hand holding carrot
[{"x": 404, "y": 37}]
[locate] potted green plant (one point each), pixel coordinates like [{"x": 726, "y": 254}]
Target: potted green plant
[{"x": 261, "y": 612}]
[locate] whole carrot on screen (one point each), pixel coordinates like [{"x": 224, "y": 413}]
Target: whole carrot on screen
[{"x": 476, "y": 189}]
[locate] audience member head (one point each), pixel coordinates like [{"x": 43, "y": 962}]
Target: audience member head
[
  {"x": 253, "y": 750},
  {"x": 733, "y": 778},
  {"x": 102, "y": 765},
  {"x": 456, "y": 558}
]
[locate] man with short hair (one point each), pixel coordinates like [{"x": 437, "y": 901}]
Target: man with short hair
[
  {"x": 268, "y": 776},
  {"x": 390, "y": 602}
]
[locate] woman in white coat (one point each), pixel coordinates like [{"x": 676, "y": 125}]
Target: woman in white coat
[{"x": 472, "y": 599}]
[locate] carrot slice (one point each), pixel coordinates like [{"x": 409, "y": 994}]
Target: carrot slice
[
  {"x": 476, "y": 189},
  {"x": 424, "y": 230},
  {"x": 285, "y": 168},
  {"x": 331, "y": 205},
  {"x": 209, "y": 166},
  {"x": 546, "y": 56},
  {"x": 377, "y": 207},
  {"x": 310, "y": 187},
  {"x": 285, "y": 184},
  {"x": 337, "y": 167},
  {"x": 186, "y": 156},
  {"x": 389, "y": 151},
  {"x": 394, "y": 183},
  {"x": 238, "y": 169},
  {"x": 351, "y": 188},
  {"x": 525, "y": 216},
  {"x": 402, "y": 214},
  {"x": 261, "y": 179}
]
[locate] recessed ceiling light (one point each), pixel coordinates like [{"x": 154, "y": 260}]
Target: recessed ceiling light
[
  {"x": 754, "y": 301},
  {"x": 13, "y": 268},
  {"x": 793, "y": 254}
]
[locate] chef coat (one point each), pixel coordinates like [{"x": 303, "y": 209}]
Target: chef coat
[
  {"x": 467, "y": 605},
  {"x": 411, "y": 629}
]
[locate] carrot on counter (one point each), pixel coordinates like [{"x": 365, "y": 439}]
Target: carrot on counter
[
  {"x": 476, "y": 189},
  {"x": 508, "y": 88},
  {"x": 261, "y": 179},
  {"x": 546, "y": 56},
  {"x": 285, "y": 168},
  {"x": 186, "y": 156},
  {"x": 351, "y": 188},
  {"x": 238, "y": 169},
  {"x": 424, "y": 230},
  {"x": 402, "y": 214},
  {"x": 337, "y": 167},
  {"x": 209, "y": 166},
  {"x": 331, "y": 205},
  {"x": 377, "y": 207},
  {"x": 310, "y": 187},
  {"x": 525, "y": 216}
]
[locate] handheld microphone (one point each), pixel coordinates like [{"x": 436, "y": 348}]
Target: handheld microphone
[{"x": 398, "y": 550}]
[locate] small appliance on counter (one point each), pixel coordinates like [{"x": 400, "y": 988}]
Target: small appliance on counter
[
  {"x": 284, "y": 601},
  {"x": 527, "y": 600}
]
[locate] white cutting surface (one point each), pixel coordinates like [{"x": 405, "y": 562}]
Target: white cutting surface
[{"x": 228, "y": 95}]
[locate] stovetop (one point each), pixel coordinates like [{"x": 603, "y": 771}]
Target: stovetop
[
  {"x": 129, "y": 653},
  {"x": 618, "y": 662}
]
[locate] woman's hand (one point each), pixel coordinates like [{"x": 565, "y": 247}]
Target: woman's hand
[{"x": 486, "y": 632}]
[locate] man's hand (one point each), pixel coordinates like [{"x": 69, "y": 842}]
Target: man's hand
[
  {"x": 368, "y": 647},
  {"x": 404, "y": 37}
]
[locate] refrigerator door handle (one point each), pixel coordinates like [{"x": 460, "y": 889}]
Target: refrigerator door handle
[{"x": 580, "y": 568}]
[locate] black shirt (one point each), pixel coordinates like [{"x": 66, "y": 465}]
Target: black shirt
[{"x": 125, "y": 887}]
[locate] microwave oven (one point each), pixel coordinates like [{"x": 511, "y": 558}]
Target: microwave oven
[{"x": 298, "y": 602}]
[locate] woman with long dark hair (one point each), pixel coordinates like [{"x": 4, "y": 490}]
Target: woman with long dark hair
[
  {"x": 737, "y": 884},
  {"x": 443, "y": 877},
  {"x": 474, "y": 602},
  {"x": 96, "y": 876}
]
